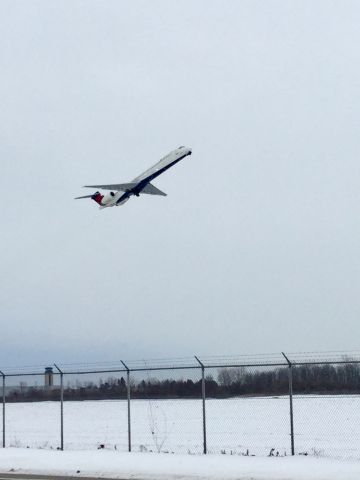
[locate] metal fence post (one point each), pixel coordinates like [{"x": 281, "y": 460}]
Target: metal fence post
[
  {"x": 203, "y": 394},
  {"x": 61, "y": 407},
  {"x": 3, "y": 408},
  {"x": 291, "y": 404},
  {"x": 128, "y": 403}
]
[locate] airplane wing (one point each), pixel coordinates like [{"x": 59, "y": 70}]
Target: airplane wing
[
  {"x": 141, "y": 184},
  {"x": 125, "y": 187},
  {"x": 121, "y": 187},
  {"x": 164, "y": 164},
  {"x": 152, "y": 190}
]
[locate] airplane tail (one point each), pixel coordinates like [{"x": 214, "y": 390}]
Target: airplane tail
[{"x": 97, "y": 197}]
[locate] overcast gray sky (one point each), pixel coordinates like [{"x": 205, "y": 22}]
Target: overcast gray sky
[{"x": 256, "y": 247}]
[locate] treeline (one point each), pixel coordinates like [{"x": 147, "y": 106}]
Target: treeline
[{"x": 229, "y": 382}]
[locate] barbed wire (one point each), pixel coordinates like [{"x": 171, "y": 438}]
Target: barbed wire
[{"x": 179, "y": 363}]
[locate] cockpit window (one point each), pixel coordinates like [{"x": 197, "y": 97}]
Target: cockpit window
[{"x": 112, "y": 194}]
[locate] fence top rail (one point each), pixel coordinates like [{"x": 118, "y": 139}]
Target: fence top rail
[{"x": 188, "y": 363}]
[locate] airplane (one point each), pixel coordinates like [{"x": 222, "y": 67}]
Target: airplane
[{"x": 121, "y": 192}]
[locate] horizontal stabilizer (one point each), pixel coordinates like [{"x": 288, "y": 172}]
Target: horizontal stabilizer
[{"x": 84, "y": 196}]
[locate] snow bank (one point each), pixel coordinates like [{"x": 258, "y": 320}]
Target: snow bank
[
  {"x": 105, "y": 463},
  {"x": 324, "y": 426}
]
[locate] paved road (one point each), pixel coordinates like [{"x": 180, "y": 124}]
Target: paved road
[{"x": 22, "y": 476}]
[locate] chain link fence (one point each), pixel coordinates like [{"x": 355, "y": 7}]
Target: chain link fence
[{"x": 281, "y": 404}]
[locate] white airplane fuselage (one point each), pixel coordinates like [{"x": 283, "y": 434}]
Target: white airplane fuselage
[
  {"x": 140, "y": 184},
  {"x": 111, "y": 199}
]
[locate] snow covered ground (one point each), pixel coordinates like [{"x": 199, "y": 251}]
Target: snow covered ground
[
  {"x": 324, "y": 426},
  {"x": 146, "y": 466}
]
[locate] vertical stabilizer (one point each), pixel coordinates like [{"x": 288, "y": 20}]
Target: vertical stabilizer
[{"x": 97, "y": 197}]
